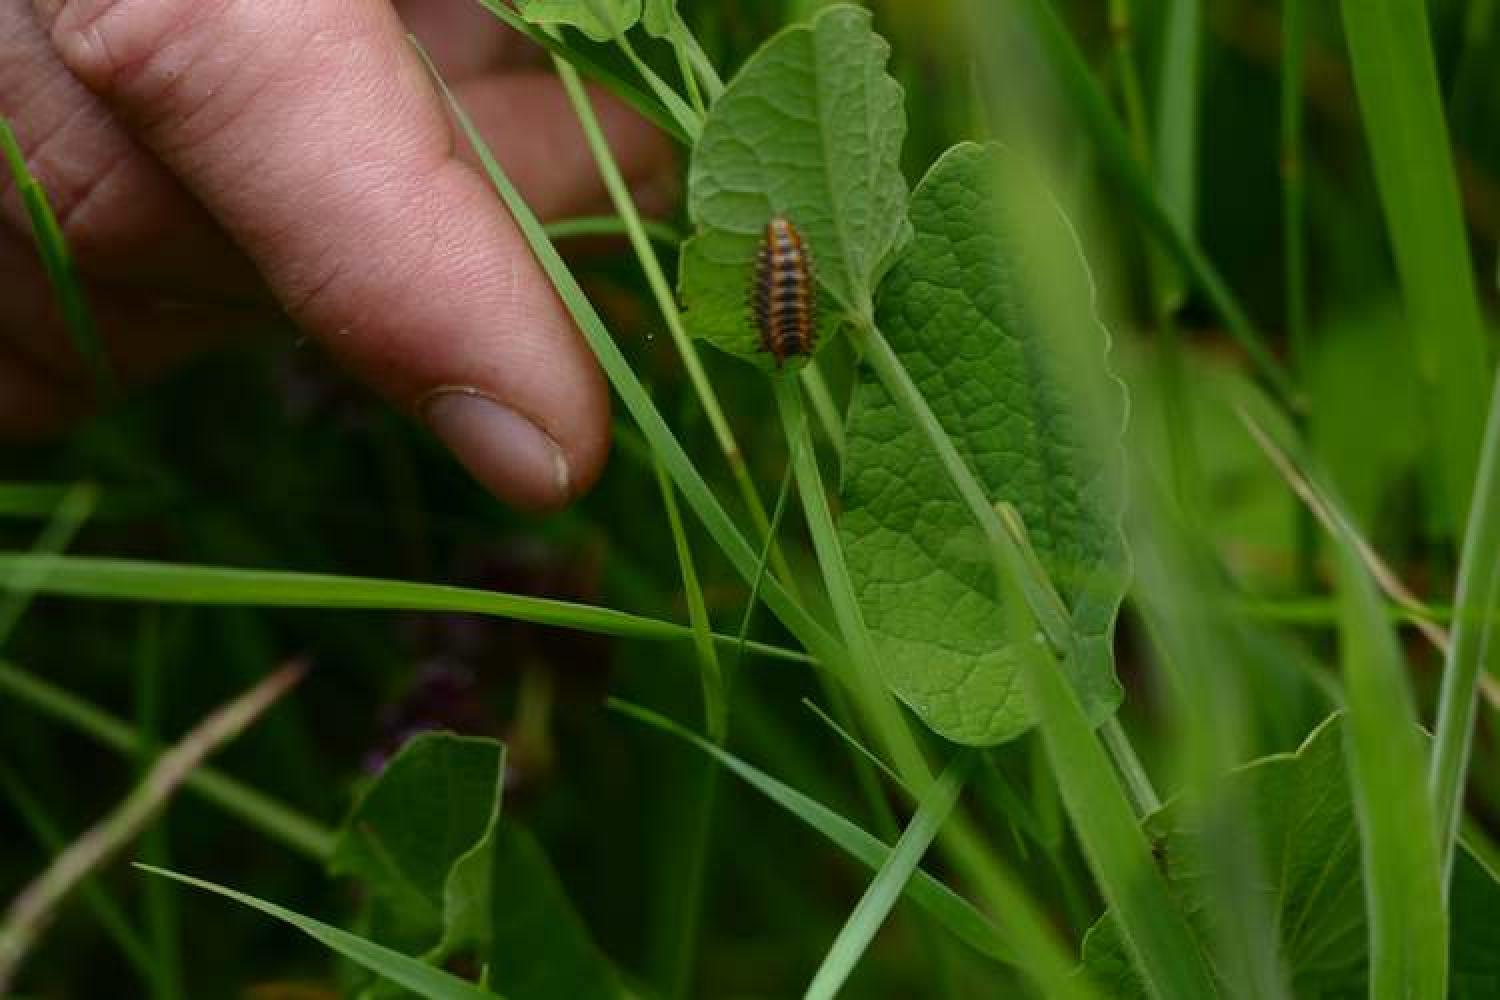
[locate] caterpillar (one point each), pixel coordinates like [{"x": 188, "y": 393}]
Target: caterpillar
[{"x": 783, "y": 298}]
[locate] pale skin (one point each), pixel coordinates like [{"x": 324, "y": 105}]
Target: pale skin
[{"x": 213, "y": 161}]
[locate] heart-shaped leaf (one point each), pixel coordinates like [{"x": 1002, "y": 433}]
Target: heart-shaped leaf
[
  {"x": 990, "y": 308},
  {"x": 421, "y": 839},
  {"x": 1309, "y": 841},
  {"x": 811, "y": 130}
]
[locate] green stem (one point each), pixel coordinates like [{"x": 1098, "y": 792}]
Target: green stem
[
  {"x": 1008, "y": 555},
  {"x": 824, "y": 406},
  {"x": 959, "y": 841},
  {"x": 690, "y": 120},
  {"x": 661, "y": 290},
  {"x": 1476, "y": 633},
  {"x": 1294, "y": 246},
  {"x": 715, "y": 707},
  {"x": 708, "y": 75}
]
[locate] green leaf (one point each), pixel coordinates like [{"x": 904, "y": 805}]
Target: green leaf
[
  {"x": 811, "y": 130},
  {"x": 894, "y": 875},
  {"x": 1387, "y": 768},
  {"x": 403, "y": 970},
  {"x": 1310, "y": 842},
  {"x": 421, "y": 839},
  {"x": 62, "y": 271},
  {"x": 175, "y": 583},
  {"x": 659, "y": 17},
  {"x": 1395, "y": 77},
  {"x": 600, "y": 20},
  {"x": 959, "y": 309},
  {"x": 943, "y": 904},
  {"x": 542, "y": 949}
]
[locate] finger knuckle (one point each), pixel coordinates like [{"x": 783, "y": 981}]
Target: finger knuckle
[{"x": 153, "y": 57}]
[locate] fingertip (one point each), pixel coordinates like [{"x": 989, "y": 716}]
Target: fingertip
[{"x": 510, "y": 454}]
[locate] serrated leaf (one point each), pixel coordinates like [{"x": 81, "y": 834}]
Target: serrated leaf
[
  {"x": 990, "y": 308},
  {"x": 810, "y": 129},
  {"x": 1310, "y": 842},
  {"x": 600, "y": 20},
  {"x": 421, "y": 839}
]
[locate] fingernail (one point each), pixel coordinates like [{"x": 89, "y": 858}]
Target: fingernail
[{"x": 508, "y": 454}]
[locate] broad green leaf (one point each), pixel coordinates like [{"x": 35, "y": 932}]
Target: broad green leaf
[
  {"x": 421, "y": 840},
  {"x": 542, "y": 949},
  {"x": 403, "y": 970},
  {"x": 600, "y": 20},
  {"x": 1311, "y": 845},
  {"x": 810, "y": 129},
  {"x": 1014, "y": 393}
]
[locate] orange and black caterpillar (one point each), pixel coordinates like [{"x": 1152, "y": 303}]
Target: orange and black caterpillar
[{"x": 783, "y": 299}]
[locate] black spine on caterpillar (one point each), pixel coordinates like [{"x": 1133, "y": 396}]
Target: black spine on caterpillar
[{"x": 783, "y": 297}]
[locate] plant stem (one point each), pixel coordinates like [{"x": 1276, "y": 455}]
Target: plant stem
[
  {"x": 1476, "y": 633},
  {"x": 661, "y": 290},
  {"x": 1294, "y": 246},
  {"x": 958, "y": 839},
  {"x": 1004, "y": 547}
]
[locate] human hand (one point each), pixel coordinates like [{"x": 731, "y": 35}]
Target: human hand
[{"x": 211, "y": 158}]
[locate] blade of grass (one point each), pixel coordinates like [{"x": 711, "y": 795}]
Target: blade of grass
[
  {"x": 891, "y": 880},
  {"x": 1115, "y": 148},
  {"x": 666, "y": 303},
  {"x": 1398, "y": 844},
  {"x": 694, "y": 854},
  {"x": 1476, "y": 636},
  {"x": 1328, "y": 512},
  {"x": 72, "y": 510},
  {"x": 33, "y": 909},
  {"x": 711, "y": 674},
  {"x": 258, "y": 810},
  {"x": 161, "y": 917},
  {"x": 173, "y": 583},
  {"x": 1395, "y": 77},
  {"x": 684, "y": 474},
  {"x": 880, "y": 712},
  {"x": 947, "y": 907},
  {"x": 403, "y": 970},
  {"x": 1176, "y": 148},
  {"x": 1293, "y": 180},
  {"x": 78, "y": 319},
  {"x": 876, "y": 705},
  {"x": 1155, "y": 932}
]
